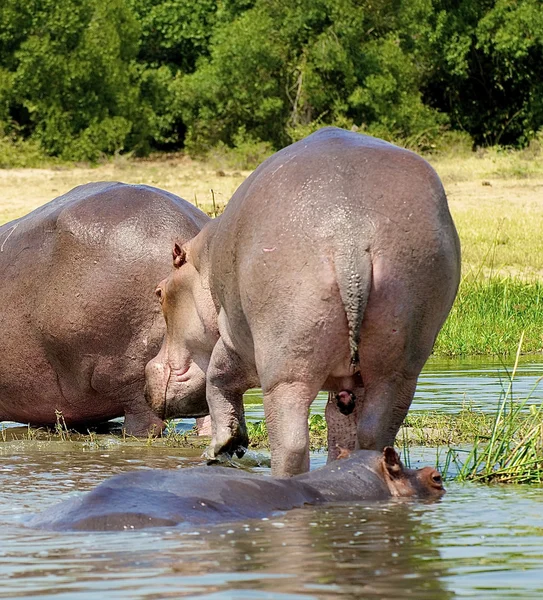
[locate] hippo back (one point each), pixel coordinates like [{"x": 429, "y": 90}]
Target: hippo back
[{"x": 152, "y": 498}]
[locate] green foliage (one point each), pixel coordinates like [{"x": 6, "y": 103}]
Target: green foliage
[
  {"x": 513, "y": 452},
  {"x": 282, "y": 68},
  {"x": 246, "y": 152},
  {"x": 86, "y": 78},
  {"x": 489, "y": 316},
  {"x": 174, "y": 33},
  {"x": 16, "y": 152},
  {"x": 73, "y": 78},
  {"x": 487, "y": 68}
]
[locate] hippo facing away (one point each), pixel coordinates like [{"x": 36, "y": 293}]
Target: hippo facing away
[
  {"x": 207, "y": 495},
  {"x": 333, "y": 267},
  {"x": 79, "y": 318}
]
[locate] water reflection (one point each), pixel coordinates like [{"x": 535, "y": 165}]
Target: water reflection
[
  {"x": 484, "y": 542},
  {"x": 343, "y": 551}
]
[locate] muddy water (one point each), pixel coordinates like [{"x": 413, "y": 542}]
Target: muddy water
[{"x": 477, "y": 542}]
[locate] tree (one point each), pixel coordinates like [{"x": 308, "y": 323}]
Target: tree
[
  {"x": 487, "y": 76},
  {"x": 282, "y": 68}
]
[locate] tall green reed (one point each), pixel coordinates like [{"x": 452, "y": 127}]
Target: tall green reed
[{"x": 514, "y": 451}]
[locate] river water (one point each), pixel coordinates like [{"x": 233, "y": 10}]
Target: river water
[{"x": 477, "y": 542}]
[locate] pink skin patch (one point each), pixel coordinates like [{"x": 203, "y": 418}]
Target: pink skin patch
[
  {"x": 180, "y": 375},
  {"x": 269, "y": 249}
]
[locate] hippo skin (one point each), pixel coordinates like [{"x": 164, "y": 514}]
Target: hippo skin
[
  {"x": 79, "y": 317},
  {"x": 333, "y": 267},
  {"x": 210, "y": 495}
]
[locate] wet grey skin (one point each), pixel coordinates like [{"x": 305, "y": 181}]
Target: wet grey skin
[
  {"x": 79, "y": 316},
  {"x": 211, "y": 495}
]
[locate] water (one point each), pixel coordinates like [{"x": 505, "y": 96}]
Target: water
[
  {"x": 447, "y": 385},
  {"x": 477, "y": 542}
]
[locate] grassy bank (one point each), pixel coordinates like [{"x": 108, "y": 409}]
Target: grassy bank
[
  {"x": 505, "y": 447},
  {"x": 512, "y": 452},
  {"x": 490, "y": 315}
]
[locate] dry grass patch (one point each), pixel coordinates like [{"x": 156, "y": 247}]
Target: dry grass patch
[
  {"x": 23, "y": 190},
  {"x": 496, "y": 199}
]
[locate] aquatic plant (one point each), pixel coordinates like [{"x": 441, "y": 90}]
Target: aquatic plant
[{"x": 513, "y": 453}]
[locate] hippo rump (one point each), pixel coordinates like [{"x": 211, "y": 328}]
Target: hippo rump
[
  {"x": 79, "y": 318},
  {"x": 333, "y": 267},
  {"x": 208, "y": 495}
]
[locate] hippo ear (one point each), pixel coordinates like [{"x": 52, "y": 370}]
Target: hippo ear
[
  {"x": 179, "y": 256},
  {"x": 392, "y": 463}
]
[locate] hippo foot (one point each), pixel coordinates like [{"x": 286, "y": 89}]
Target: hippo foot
[
  {"x": 345, "y": 402},
  {"x": 225, "y": 459},
  {"x": 214, "y": 456},
  {"x": 228, "y": 444}
]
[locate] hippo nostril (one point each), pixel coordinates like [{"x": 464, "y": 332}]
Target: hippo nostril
[{"x": 437, "y": 479}]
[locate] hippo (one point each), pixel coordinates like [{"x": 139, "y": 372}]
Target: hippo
[
  {"x": 211, "y": 495},
  {"x": 79, "y": 316},
  {"x": 333, "y": 267}
]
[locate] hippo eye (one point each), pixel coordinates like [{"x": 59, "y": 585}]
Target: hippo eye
[{"x": 437, "y": 478}]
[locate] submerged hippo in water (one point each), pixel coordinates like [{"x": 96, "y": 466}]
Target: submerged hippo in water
[
  {"x": 79, "y": 319},
  {"x": 206, "y": 495},
  {"x": 333, "y": 267}
]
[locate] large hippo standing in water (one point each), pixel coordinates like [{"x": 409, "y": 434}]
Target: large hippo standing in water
[
  {"x": 332, "y": 268},
  {"x": 79, "y": 318},
  {"x": 207, "y": 495}
]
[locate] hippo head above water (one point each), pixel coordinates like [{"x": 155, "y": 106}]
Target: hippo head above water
[
  {"x": 176, "y": 377},
  {"x": 367, "y": 474}
]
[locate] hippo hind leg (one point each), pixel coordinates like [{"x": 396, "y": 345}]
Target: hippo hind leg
[
  {"x": 385, "y": 406},
  {"x": 286, "y": 407}
]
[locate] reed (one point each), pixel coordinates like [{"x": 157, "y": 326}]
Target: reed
[{"x": 513, "y": 452}]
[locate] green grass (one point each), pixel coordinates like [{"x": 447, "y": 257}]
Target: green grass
[
  {"x": 489, "y": 316},
  {"x": 512, "y": 452}
]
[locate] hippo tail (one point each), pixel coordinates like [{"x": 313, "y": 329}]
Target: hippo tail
[{"x": 354, "y": 277}]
